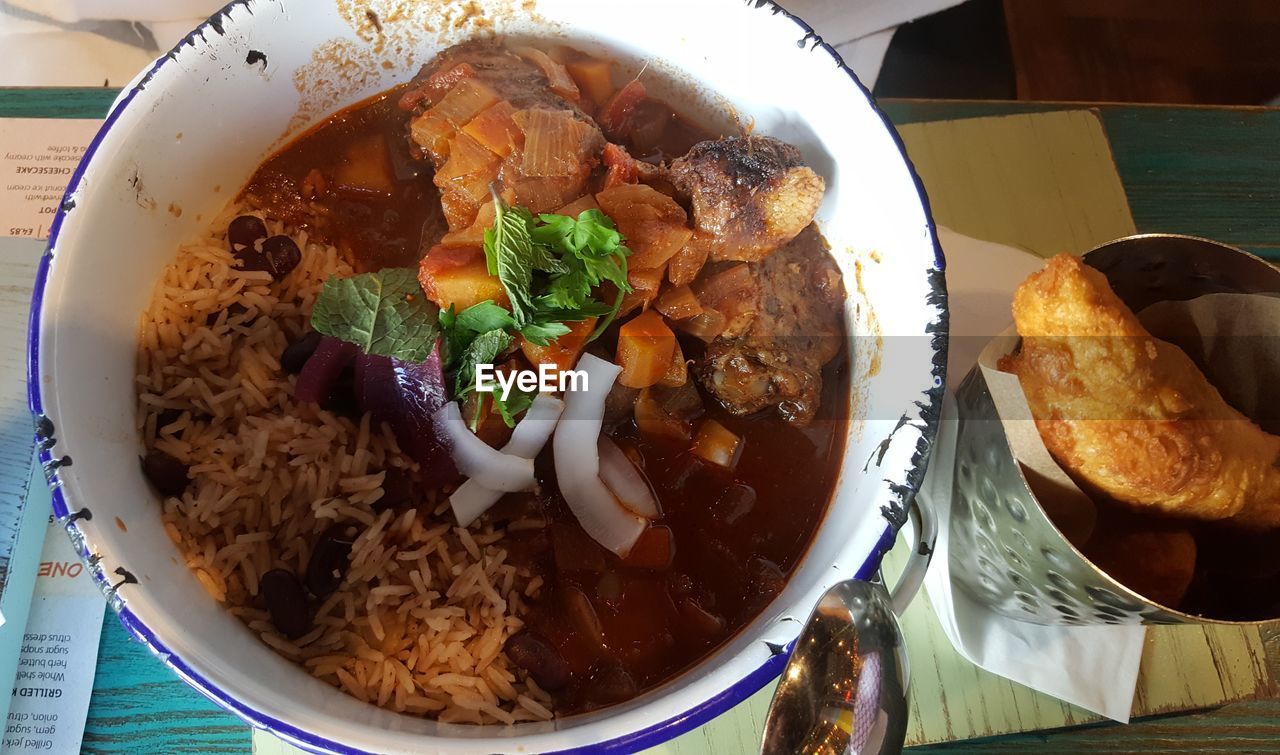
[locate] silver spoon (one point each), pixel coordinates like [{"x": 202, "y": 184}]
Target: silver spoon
[{"x": 844, "y": 690}]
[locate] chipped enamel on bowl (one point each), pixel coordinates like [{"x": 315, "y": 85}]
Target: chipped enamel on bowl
[{"x": 181, "y": 141}]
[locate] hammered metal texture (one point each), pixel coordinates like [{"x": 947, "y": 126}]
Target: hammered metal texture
[{"x": 1004, "y": 550}]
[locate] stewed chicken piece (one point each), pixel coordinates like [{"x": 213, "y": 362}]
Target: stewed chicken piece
[
  {"x": 784, "y": 327},
  {"x": 750, "y": 194}
]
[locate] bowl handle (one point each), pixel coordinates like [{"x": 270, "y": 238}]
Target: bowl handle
[{"x": 923, "y": 533}]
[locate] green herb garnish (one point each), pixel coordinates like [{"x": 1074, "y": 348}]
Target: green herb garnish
[
  {"x": 549, "y": 267},
  {"x": 576, "y": 255},
  {"x": 485, "y": 348},
  {"x": 591, "y": 249},
  {"x": 384, "y": 313},
  {"x": 512, "y": 255},
  {"x": 516, "y": 402}
]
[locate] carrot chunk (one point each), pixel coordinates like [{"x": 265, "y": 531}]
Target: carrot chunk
[
  {"x": 645, "y": 348},
  {"x": 563, "y": 352}
]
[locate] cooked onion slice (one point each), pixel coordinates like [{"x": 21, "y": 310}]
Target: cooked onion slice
[
  {"x": 535, "y": 427},
  {"x": 473, "y": 498},
  {"x": 577, "y": 461},
  {"x": 626, "y": 481},
  {"x": 478, "y": 460}
]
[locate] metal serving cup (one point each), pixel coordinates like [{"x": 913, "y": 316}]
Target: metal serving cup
[{"x": 1005, "y": 551}]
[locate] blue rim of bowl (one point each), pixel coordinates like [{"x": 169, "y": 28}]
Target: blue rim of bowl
[{"x": 644, "y": 738}]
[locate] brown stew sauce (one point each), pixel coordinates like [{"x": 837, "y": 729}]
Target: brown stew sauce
[{"x": 734, "y": 537}]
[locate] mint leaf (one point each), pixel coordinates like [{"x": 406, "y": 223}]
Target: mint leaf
[
  {"x": 542, "y": 259},
  {"x": 485, "y": 316},
  {"x": 385, "y": 313},
  {"x": 508, "y": 249},
  {"x": 510, "y": 255},
  {"x": 483, "y": 349},
  {"x": 448, "y": 317},
  {"x": 461, "y": 328}
]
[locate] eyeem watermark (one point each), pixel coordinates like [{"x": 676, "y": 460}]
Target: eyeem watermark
[{"x": 546, "y": 378}]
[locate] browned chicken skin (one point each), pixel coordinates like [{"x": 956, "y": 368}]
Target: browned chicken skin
[
  {"x": 792, "y": 330},
  {"x": 750, "y": 195}
]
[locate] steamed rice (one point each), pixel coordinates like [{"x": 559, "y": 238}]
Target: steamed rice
[{"x": 420, "y": 620}]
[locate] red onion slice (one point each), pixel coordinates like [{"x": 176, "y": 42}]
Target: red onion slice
[
  {"x": 626, "y": 481},
  {"x": 322, "y": 369},
  {"x": 577, "y": 460},
  {"x": 473, "y": 499},
  {"x": 408, "y": 396},
  {"x": 478, "y": 460}
]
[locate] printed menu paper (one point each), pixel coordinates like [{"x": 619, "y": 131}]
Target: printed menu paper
[
  {"x": 49, "y": 641},
  {"x": 59, "y": 655},
  {"x": 37, "y": 159}
]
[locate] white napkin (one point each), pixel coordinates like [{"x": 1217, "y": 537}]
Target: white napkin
[
  {"x": 1092, "y": 667},
  {"x": 90, "y": 42},
  {"x": 861, "y": 30}
]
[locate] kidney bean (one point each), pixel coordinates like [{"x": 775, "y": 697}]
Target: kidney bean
[
  {"x": 167, "y": 417},
  {"x": 287, "y": 603},
  {"x": 282, "y": 255},
  {"x": 253, "y": 260},
  {"x": 244, "y": 232},
  {"x": 610, "y": 683},
  {"x": 329, "y": 559},
  {"x": 398, "y": 491},
  {"x": 234, "y": 309},
  {"x": 296, "y": 354},
  {"x": 535, "y": 654},
  {"x": 169, "y": 475}
]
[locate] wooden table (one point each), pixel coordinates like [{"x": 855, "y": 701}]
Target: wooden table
[{"x": 1206, "y": 171}]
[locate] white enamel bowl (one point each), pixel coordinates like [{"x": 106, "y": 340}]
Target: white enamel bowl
[{"x": 189, "y": 133}]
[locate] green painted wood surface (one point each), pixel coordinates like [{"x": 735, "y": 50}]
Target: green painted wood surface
[
  {"x": 139, "y": 706},
  {"x": 1212, "y": 172}
]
